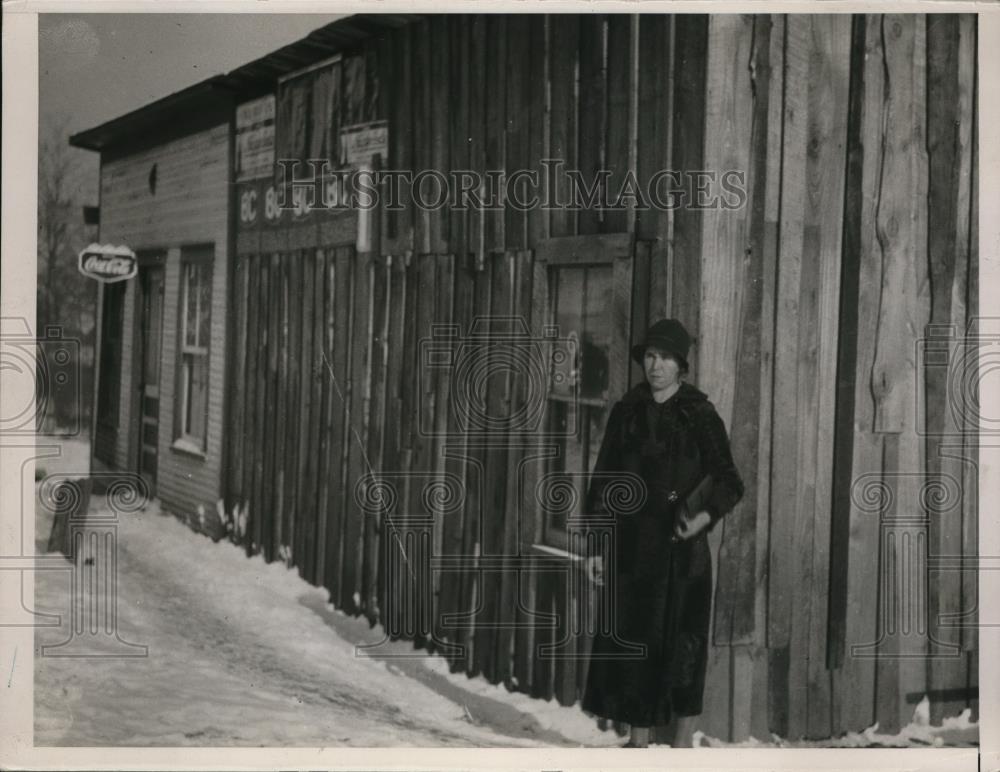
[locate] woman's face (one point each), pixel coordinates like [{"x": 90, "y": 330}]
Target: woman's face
[{"x": 662, "y": 370}]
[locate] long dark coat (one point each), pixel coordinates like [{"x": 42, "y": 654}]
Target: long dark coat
[{"x": 662, "y": 589}]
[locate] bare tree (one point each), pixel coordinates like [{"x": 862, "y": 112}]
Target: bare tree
[
  {"x": 65, "y": 297},
  {"x": 58, "y": 215}
]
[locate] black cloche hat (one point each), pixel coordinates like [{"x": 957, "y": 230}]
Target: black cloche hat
[{"x": 668, "y": 335}]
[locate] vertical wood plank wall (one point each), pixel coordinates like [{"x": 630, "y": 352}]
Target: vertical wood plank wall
[{"x": 853, "y": 234}]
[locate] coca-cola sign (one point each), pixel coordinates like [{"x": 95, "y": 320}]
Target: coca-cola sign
[{"x": 108, "y": 263}]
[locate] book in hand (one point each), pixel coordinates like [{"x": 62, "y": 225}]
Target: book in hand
[{"x": 695, "y": 502}]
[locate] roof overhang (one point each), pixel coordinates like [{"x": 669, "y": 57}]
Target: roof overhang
[
  {"x": 152, "y": 117},
  {"x": 256, "y": 78}
]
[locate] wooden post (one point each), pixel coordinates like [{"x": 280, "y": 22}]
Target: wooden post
[
  {"x": 494, "y": 234},
  {"x": 622, "y": 96},
  {"x": 454, "y": 583},
  {"x": 315, "y": 551},
  {"x": 438, "y": 126},
  {"x": 497, "y": 406},
  {"x": 901, "y": 227},
  {"x": 687, "y": 155},
  {"x": 519, "y": 391},
  {"x": 654, "y": 139},
  {"x": 445, "y": 518},
  {"x": 950, "y": 81},
  {"x": 592, "y": 116},
  {"x": 517, "y": 107},
  {"x": 725, "y": 273},
  {"x": 854, "y": 677},
  {"x": 564, "y": 45},
  {"x": 392, "y": 462}
]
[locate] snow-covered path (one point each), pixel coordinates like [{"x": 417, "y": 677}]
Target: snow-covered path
[
  {"x": 242, "y": 653},
  {"x": 245, "y": 653}
]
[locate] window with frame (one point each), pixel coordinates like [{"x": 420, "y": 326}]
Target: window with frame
[
  {"x": 193, "y": 350},
  {"x": 588, "y": 302}
]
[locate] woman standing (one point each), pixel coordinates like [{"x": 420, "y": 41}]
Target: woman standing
[{"x": 651, "y": 665}]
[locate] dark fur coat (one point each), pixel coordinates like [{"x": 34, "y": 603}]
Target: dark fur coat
[{"x": 662, "y": 590}]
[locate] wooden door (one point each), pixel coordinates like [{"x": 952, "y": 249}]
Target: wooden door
[
  {"x": 109, "y": 375},
  {"x": 149, "y": 358}
]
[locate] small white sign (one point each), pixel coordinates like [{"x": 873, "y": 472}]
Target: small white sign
[
  {"x": 108, "y": 263},
  {"x": 255, "y": 139},
  {"x": 358, "y": 143},
  {"x": 254, "y": 112}
]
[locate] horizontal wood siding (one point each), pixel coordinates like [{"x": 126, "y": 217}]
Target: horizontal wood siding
[{"x": 190, "y": 206}]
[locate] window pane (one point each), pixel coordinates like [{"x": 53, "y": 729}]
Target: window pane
[
  {"x": 583, "y": 300},
  {"x": 554, "y": 518},
  {"x": 595, "y": 339},
  {"x": 190, "y": 303},
  {"x": 196, "y": 373},
  {"x": 205, "y": 303},
  {"x": 195, "y": 317},
  {"x": 597, "y": 417},
  {"x": 568, "y": 284}
]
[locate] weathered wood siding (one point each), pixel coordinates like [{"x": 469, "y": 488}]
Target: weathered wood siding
[
  {"x": 876, "y": 154},
  {"x": 854, "y": 236},
  {"x": 190, "y": 207}
]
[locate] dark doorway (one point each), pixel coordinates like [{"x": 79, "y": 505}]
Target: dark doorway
[{"x": 109, "y": 373}]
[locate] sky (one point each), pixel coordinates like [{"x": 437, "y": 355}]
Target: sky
[{"x": 95, "y": 67}]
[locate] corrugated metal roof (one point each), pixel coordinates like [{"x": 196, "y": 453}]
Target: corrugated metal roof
[{"x": 249, "y": 80}]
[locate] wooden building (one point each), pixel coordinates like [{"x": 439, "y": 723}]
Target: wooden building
[
  {"x": 164, "y": 192},
  {"x": 821, "y": 304}
]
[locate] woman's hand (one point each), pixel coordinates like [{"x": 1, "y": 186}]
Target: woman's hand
[
  {"x": 595, "y": 569},
  {"x": 689, "y": 527}
]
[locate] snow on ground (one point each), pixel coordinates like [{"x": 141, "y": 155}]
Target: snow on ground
[
  {"x": 241, "y": 652},
  {"x": 957, "y": 730}
]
